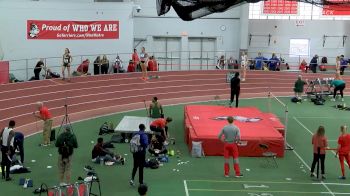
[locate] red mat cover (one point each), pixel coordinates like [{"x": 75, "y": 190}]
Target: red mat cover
[{"x": 204, "y": 123}]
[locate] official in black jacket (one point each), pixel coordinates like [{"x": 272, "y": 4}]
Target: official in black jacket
[{"x": 235, "y": 88}]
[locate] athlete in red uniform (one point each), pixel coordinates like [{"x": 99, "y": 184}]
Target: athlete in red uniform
[{"x": 343, "y": 149}]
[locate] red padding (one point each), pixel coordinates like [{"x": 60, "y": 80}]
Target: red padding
[{"x": 201, "y": 127}]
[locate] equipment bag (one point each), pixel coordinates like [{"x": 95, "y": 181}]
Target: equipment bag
[
  {"x": 197, "y": 150},
  {"x": 53, "y": 135}
]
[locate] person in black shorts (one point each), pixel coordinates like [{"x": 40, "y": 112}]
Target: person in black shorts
[
  {"x": 39, "y": 65},
  {"x": 66, "y": 62}
]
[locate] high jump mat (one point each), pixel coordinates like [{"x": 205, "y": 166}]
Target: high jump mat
[{"x": 204, "y": 123}]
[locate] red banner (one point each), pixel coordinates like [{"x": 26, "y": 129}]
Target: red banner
[
  {"x": 337, "y": 10},
  {"x": 4, "y": 72},
  {"x": 280, "y": 7},
  {"x": 51, "y": 29}
]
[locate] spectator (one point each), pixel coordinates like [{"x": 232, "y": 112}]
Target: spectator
[
  {"x": 7, "y": 137},
  {"x": 140, "y": 156},
  {"x": 319, "y": 142},
  {"x": 150, "y": 64},
  {"x": 157, "y": 147},
  {"x": 83, "y": 68},
  {"x": 44, "y": 115},
  {"x": 39, "y": 65},
  {"x": 160, "y": 126},
  {"x": 135, "y": 60},
  {"x": 259, "y": 61},
  {"x": 118, "y": 65},
  {"x": 324, "y": 62},
  {"x": 156, "y": 109},
  {"x": 66, "y": 63},
  {"x": 131, "y": 66},
  {"x": 299, "y": 87},
  {"x": 18, "y": 144},
  {"x": 339, "y": 85},
  {"x": 343, "y": 64},
  {"x": 232, "y": 63},
  {"x": 274, "y": 62},
  {"x": 97, "y": 66},
  {"x": 104, "y": 65},
  {"x": 343, "y": 150},
  {"x": 314, "y": 64},
  {"x": 303, "y": 66},
  {"x": 65, "y": 143},
  {"x": 155, "y": 64},
  {"x": 221, "y": 62},
  {"x": 100, "y": 153},
  {"x": 142, "y": 190},
  {"x": 337, "y": 64}
]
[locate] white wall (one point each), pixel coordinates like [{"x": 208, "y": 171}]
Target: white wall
[
  {"x": 14, "y": 15},
  {"x": 283, "y": 30},
  {"x": 224, "y": 27}
]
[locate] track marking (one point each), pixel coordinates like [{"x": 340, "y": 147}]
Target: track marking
[
  {"x": 259, "y": 191},
  {"x": 54, "y": 81},
  {"x": 308, "y": 130},
  {"x": 267, "y": 182},
  {"x": 186, "y": 188},
  {"x": 302, "y": 160}
]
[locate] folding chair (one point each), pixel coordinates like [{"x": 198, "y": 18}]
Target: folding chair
[{"x": 270, "y": 157}]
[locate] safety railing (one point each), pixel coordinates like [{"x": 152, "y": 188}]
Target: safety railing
[{"x": 23, "y": 69}]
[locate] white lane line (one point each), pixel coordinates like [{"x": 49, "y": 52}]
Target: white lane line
[
  {"x": 302, "y": 160},
  {"x": 308, "y": 130},
  {"x": 186, "y": 188}
]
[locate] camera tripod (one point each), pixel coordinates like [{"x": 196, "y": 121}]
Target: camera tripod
[{"x": 65, "y": 121}]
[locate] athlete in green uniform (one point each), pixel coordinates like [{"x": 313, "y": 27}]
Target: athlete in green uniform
[{"x": 156, "y": 109}]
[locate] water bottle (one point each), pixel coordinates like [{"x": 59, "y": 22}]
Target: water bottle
[
  {"x": 25, "y": 185},
  {"x": 101, "y": 161}
]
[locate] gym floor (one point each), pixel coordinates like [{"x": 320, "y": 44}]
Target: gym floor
[{"x": 202, "y": 176}]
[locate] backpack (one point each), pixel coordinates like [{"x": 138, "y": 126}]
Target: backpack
[
  {"x": 295, "y": 100},
  {"x": 152, "y": 163},
  {"x": 135, "y": 144},
  {"x": 65, "y": 150}
]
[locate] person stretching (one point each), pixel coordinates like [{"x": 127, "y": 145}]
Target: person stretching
[
  {"x": 339, "y": 85},
  {"x": 232, "y": 136}
]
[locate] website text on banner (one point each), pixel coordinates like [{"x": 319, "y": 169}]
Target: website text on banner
[
  {"x": 342, "y": 9},
  {"x": 4, "y": 72},
  {"x": 53, "y": 29}
]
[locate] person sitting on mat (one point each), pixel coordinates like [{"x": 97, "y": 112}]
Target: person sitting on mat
[
  {"x": 156, "y": 147},
  {"x": 343, "y": 150},
  {"x": 320, "y": 143},
  {"x": 160, "y": 126},
  {"x": 339, "y": 85},
  {"x": 299, "y": 87},
  {"x": 100, "y": 153},
  {"x": 156, "y": 109}
]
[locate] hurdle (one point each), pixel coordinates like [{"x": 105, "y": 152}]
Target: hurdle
[{"x": 270, "y": 96}]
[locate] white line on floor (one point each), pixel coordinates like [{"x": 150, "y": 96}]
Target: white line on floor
[{"x": 186, "y": 189}]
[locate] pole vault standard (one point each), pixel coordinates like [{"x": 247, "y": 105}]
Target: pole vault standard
[{"x": 271, "y": 96}]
